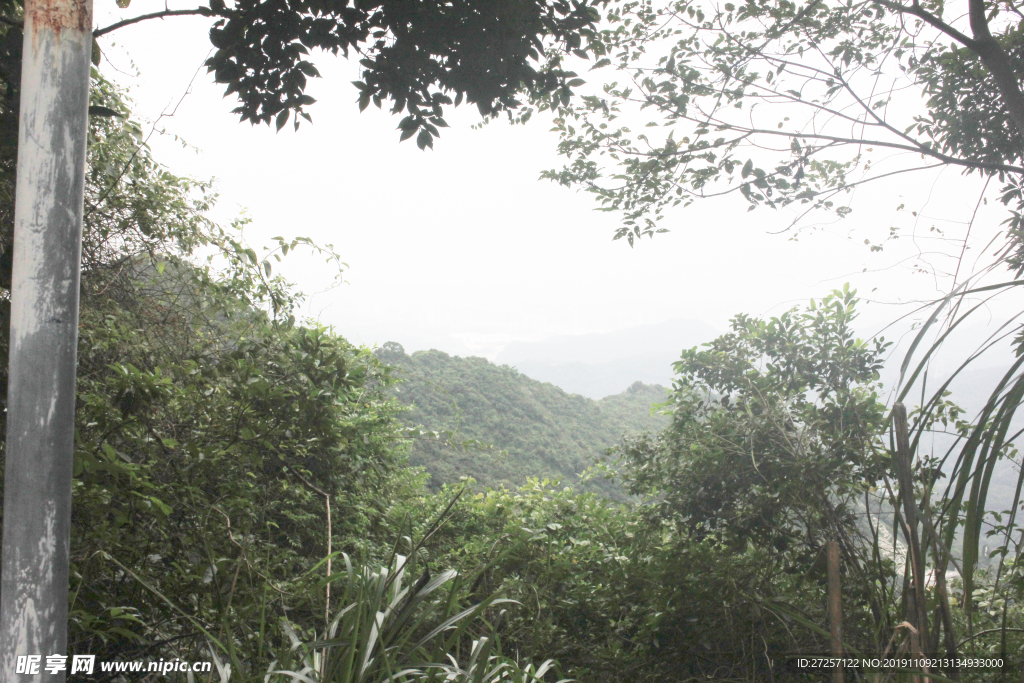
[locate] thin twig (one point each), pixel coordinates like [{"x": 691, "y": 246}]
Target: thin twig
[
  {"x": 991, "y": 630},
  {"x": 969, "y": 226}
]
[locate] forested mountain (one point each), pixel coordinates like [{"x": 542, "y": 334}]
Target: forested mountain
[{"x": 535, "y": 428}]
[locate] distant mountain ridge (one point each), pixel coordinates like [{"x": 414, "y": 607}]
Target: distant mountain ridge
[
  {"x": 599, "y": 365},
  {"x": 545, "y": 431}
]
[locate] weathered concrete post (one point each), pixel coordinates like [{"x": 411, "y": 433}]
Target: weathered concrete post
[{"x": 44, "y": 333}]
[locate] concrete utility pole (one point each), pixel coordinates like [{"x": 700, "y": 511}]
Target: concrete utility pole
[{"x": 44, "y": 333}]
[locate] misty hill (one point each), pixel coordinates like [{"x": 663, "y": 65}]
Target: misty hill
[
  {"x": 598, "y": 365},
  {"x": 545, "y": 431}
]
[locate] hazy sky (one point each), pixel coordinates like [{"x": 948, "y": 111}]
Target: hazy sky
[{"x": 464, "y": 249}]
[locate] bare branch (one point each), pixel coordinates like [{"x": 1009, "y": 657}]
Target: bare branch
[
  {"x": 917, "y": 147},
  {"x": 204, "y": 11}
]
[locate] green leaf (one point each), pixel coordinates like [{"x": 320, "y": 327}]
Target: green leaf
[{"x": 424, "y": 139}]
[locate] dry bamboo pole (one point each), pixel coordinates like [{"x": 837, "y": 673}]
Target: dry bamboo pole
[
  {"x": 327, "y": 588},
  {"x": 945, "y": 615},
  {"x": 835, "y": 609}
]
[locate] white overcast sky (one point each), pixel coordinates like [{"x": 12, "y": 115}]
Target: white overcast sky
[{"x": 462, "y": 248}]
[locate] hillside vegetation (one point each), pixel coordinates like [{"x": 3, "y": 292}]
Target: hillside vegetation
[
  {"x": 535, "y": 428},
  {"x": 241, "y": 493}
]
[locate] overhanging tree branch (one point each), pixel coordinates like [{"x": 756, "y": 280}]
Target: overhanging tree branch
[
  {"x": 994, "y": 57},
  {"x": 203, "y": 11},
  {"x": 983, "y": 44},
  {"x": 930, "y": 19}
]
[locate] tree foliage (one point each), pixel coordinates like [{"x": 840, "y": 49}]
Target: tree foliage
[
  {"x": 209, "y": 426},
  {"x": 417, "y": 55},
  {"x": 420, "y": 56},
  {"x": 772, "y": 431},
  {"x": 565, "y": 556},
  {"x": 790, "y": 104}
]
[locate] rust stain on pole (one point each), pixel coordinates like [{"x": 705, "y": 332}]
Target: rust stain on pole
[{"x": 59, "y": 15}]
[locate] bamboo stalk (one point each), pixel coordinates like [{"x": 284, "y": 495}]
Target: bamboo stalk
[
  {"x": 919, "y": 640},
  {"x": 327, "y": 598},
  {"x": 905, "y": 472}
]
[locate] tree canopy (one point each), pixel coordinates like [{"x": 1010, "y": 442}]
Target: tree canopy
[
  {"x": 795, "y": 103},
  {"x": 420, "y": 56}
]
